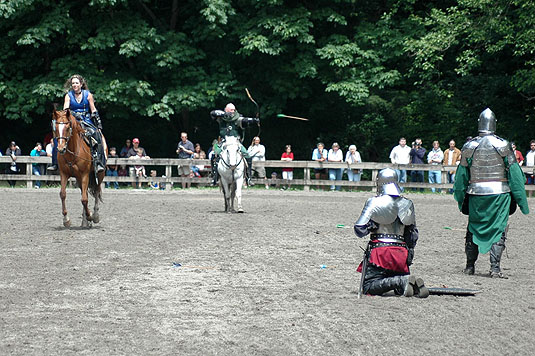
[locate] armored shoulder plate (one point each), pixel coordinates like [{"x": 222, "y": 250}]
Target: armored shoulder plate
[
  {"x": 468, "y": 150},
  {"x": 382, "y": 209},
  {"x": 504, "y": 148},
  {"x": 406, "y": 211}
]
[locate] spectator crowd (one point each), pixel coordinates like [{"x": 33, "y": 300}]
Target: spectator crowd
[{"x": 401, "y": 154}]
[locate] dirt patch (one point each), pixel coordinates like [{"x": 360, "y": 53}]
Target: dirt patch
[{"x": 172, "y": 273}]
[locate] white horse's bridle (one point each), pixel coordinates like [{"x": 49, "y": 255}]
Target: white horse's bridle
[{"x": 226, "y": 162}]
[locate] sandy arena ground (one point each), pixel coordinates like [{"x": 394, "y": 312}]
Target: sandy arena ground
[{"x": 171, "y": 273}]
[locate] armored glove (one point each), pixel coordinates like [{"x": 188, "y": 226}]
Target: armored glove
[
  {"x": 96, "y": 119},
  {"x": 249, "y": 121},
  {"x": 217, "y": 113}
]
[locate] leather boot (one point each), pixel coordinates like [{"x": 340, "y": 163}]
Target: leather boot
[
  {"x": 249, "y": 171},
  {"x": 471, "y": 250},
  {"x": 399, "y": 284},
  {"x": 496, "y": 251},
  {"x": 215, "y": 174},
  {"x": 420, "y": 290}
]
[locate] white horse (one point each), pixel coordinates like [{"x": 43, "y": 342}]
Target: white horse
[{"x": 231, "y": 168}]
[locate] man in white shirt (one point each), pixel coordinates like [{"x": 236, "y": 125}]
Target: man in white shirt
[
  {"x": 530, "y": 162},
  {"x": 401, "y": 155},
  {"x": 258, "y": 153}
]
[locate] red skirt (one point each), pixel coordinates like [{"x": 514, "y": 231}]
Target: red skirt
[{"x": 393, "y": 258}]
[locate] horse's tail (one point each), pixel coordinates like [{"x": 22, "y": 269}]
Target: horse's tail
[{"x": 94, "y": 187}]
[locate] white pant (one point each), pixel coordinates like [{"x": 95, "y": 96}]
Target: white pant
[{"x": 287, "y": 175}]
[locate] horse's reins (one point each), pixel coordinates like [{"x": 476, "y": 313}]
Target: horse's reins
[
  {"x": 232, "y": 167},
  {"x": 75, "y": 154}
]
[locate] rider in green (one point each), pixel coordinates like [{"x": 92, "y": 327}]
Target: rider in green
[{"x": 230, "y": 122}]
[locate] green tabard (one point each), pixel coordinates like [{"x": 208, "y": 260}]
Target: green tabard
[{"x": 488, "y": 214}]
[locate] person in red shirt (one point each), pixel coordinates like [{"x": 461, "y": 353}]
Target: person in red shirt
[
  {"x": 518, "y": 154},
  {"x": 287, "y": 173}
]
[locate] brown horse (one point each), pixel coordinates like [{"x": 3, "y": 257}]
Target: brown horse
[{"x": 74, "y": 160}]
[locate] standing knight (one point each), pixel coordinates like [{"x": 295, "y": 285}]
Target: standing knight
[
  {"x": 230, "y": 121},
  {"x": 390, "y": 219},
  {"x": 489, "y": 184}
]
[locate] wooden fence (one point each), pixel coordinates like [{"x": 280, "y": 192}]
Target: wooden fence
[{"x": 169, "y": 180}]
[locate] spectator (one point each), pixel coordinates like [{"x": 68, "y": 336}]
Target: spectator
[
  {"x": 36, "y": 167},
  {"x": 273, "y": 182},
  {"x": 435, "y": 157},
  {"x": 133, "y": 152},
  {"x": 14, "y": 151},
  {"x": 287, "y": 173},
  {"x": 184, "y": 150},
  {"x": 417, "y": 155},
  {"x": 49, "y": 149},
  {"x": 153, "y": 184},
  {"x": 401, "y": 155},
  {"x": 124, "y": 153},
  {"x": 335, "y": 155},
  {"x": 111, "y": 170},
  {"x": 139, "y": 169},
  {"x": 127, "y": 146},
  {"x": 518, "y": 154},
  {"x": 198, "y": 153},
  {"x": 530, "y": 162},
  {"x": 320, "y": 155},
  {"x": 258, "y": 153},
  {"x": 353, "y": 156},
  {"x": 452, "y": 157}
]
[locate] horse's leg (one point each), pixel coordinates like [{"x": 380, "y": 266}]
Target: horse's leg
[
  {"x": 63, "y": 195},
  {"x": 98, "y": 193},
  {"x": 232, "y": 194},
  {"x": 86, "y": 214},
  {"x": 226, "y": 192},
  {"x": 239, "y": 184}
]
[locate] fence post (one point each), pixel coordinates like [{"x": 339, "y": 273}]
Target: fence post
[
  {"x": 306, "y": 176},
  {"x": 29, "y": 181},
  {"x": 168, "y": 173}
]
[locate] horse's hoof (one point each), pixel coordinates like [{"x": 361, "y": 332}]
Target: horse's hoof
[
  {"x": 240, "y": 210},
  {"x": 96, "y": 219},
  {"x": 67, "y": 223},
  {"x": 90, "y": 218}
]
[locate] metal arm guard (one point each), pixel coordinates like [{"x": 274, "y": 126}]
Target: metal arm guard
[
  {"x": 96, "y": 119},
  {"x": 248, "y": 121}
]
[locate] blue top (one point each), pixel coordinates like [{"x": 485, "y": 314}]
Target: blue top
[
  {"x": 81, "y": 107},
  {"x": 36, "y": 153},
  {"x": 316, "y": 154}
]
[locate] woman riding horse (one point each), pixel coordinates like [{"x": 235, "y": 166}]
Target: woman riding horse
[
  {"x": 74, "y": 160},
  {"x": 82, "y": 105}
]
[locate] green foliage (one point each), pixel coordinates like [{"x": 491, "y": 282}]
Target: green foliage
[{"x": 364, "y": 72}]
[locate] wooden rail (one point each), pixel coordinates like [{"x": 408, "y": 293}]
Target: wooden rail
[{"x": 306, "y": 166}]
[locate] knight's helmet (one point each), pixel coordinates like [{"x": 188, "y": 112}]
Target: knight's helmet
[
  {"x": 387, "y": 182},
  {"x": 486, "y": 124}
]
